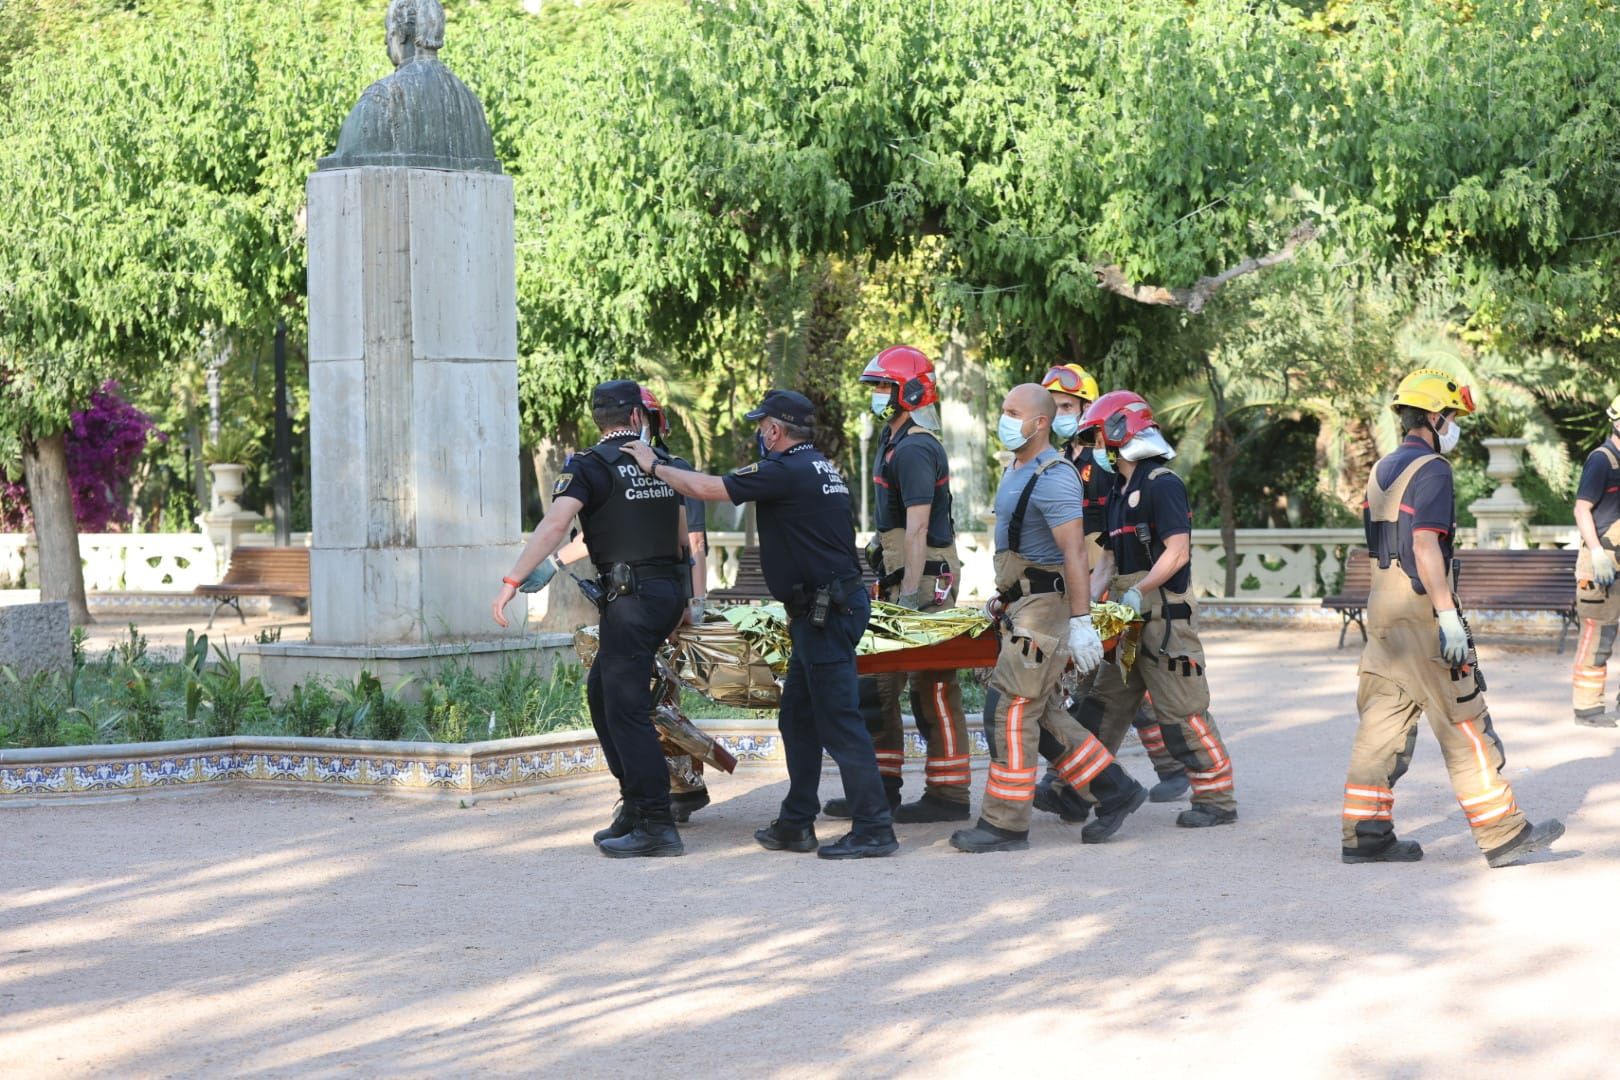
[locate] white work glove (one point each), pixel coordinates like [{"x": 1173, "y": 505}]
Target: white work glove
[
  {"x": 1132, "y": 599},
  {"x": 1085, "y": 647},
  {"x": 1603, "y": 567},
  {"x": 1453, "y": 638}
]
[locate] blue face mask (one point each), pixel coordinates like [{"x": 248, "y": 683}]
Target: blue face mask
[
  {"x": 1102, "y": 460},
  {"x": 1064, "y": 425},
  {"x": 1010, "y": 430},
  {"x": 759, "y": 441},
  {"x": 883, "y": 403}
]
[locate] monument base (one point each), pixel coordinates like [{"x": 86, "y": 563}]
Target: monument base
[{"x": 280, "y": 665}]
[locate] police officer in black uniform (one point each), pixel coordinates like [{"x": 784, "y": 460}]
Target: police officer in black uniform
[
  {"x": 807, "y": 552},
  {"x": 635, "y": 532}
]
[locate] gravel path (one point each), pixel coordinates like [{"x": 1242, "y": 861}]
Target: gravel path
[{"x": 279, "y": 935}]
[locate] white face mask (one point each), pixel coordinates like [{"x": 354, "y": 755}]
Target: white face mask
[{"x": 1449, "y": 436}]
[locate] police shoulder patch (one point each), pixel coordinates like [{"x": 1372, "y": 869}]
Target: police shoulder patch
[
  {"x": 562, "y": 483},
  {"x": 746, "y": 470}
]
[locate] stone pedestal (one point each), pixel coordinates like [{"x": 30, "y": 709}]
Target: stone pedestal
[
  {"x": 1503, "y": 518},
  {"x": 35, "y": 638},
  {"x": 413, "y": 405}
]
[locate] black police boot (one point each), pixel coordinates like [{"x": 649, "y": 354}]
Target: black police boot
[
  {"x": 1109, "y": 821},
  {"x": 1202, "y": 817},
  {"x": 1172, "y": 788},
  {"x": 1594, "y": 718},
  {"x": 931, "y": 808},
  {"x": 683, "y": 804},
  {"x": 779, "y": 837},
  {"x": 856, "y": 846},
  {"x": 654, "y": 837},
  {"x": 839, "y": 807},
  {"x": 1531, "y": 839},
  {"x": 985, "y": 837},
  {"x": 1053, "y": 796},
  {"x": 1394, "y": 851},
  {"x": 625, "y": 817}
]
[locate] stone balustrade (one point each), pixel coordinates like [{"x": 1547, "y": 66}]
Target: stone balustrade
[{"x": 1275, "y": 563}]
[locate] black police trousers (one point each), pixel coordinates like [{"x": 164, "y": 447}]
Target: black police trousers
[
  {"x": 821, "y": 709},
  {"x": 619, "y": 689}
]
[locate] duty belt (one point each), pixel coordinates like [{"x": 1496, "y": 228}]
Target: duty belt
[
  {"x": 1038, "y": 582},
  {"x": 802, "y": 600},
  {"x": 1167, "y": 612},
  {"x": 930, "y": 568}
]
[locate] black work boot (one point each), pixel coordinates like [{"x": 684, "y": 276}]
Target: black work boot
[
  {"x": 931, "y": 808},
  {"x": 985, "y": 837},
  {"x": 839, "y": 807},
  {"x": 1053, "y": 796},
  {"x": 1109, "y": 821},
  {"x": 1172, "y": 788},
  {"x": 856, "y": 846},
  {"x": 1202, "y": 816},
  {"x": 684, "y": 803},
  {"x": 625, "y": 817},
  {"x": 779, "y": 837},
  {"x": 654, "y": 837},
  {"x": 1394, "y": 851},
  {"x": 1531, "y": 839},
  {"x": 1594, "y": 718}
]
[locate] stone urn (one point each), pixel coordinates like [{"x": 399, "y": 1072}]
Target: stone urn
[
  {"x": 1503, "y": 518},
  {"x": 1506, "y": 462},
  {"x": 227, "y": 486}
]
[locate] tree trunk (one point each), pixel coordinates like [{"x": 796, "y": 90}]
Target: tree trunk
[
  {"x": 550, "y": 452},
  {"x": 1223, "y": 454},
  {"x": 50, "y": 496},
  {"x": 1222, "y": 458}
]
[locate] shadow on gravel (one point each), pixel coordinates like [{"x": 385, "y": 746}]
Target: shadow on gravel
[{"x": 426, "y": 940}]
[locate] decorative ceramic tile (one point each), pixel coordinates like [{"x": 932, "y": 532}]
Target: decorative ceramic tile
[
  {"x": 334, "y": 770},
  {"x": 393, "y": 772},
  {"x": 34, "y": 778},
  {"x": 753, "y": 747},
  {"x": 228, "y": 766},
  {"x": 104, "y": 776},
  {"x": 164, "y": 772},
  {"x": 444, "y": 774}
]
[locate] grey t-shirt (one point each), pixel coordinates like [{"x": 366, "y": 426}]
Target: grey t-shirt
[{"x": 1057, "y": 500}]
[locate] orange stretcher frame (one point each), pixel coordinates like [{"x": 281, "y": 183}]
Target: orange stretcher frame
[{"x": 959, "y": 652}]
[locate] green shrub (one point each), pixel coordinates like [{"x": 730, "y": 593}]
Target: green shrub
[{"x": 308, "y": 711}]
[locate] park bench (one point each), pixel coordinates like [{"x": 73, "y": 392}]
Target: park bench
[
  {"x": 748, "y": 587},
  {"x": 1488, "y": 579},
  {"x": 260, "y": 571}
]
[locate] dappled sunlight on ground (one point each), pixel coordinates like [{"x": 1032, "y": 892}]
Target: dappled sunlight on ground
[{"x": 270, "y": 934}]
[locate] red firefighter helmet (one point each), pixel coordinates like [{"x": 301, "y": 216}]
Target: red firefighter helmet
[
  {"x": 1122, "y": 415},
  {"x": 657, "y": 418},
  {"x": 910, "y": 370}
]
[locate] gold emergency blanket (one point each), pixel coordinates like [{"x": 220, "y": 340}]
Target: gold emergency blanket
[{"x": 737, "y": 657}]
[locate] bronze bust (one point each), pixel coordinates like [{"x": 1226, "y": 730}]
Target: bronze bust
[{"x": 421, "y": 116}]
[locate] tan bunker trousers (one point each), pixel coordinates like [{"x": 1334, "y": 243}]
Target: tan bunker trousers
[
  {"x": 1598, "y": 609},
  {"x": 1025, "y": 683},
  {"x": 935, "y": 698},
  {"x": 1169, "y": 671}
]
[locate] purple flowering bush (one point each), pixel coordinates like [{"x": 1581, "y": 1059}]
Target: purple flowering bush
[{"x": 104, "y": 442}]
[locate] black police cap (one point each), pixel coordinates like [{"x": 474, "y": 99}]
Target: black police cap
[
  {"x": 787, "y": 406},
  {"x": 616, "y": 393}
]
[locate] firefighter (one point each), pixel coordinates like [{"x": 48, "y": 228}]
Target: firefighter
[
  {"x": 1073, "y": 389},
  {"x": 1147, "y": 567},
  {"x": 1043, "y": 608},
  {"x": 1597, "y": 515},
  {"x": 1419, "y": 656},
  {"x": 635, "y": 533},
  {"x": 914, "y": 555}
]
